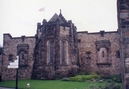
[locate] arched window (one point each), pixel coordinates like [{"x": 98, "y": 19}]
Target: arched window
[
  {"x": 103, "y": 54},
  {"x": 23, "y": 57},
  {"x": 22, "y": 51},
  {"x": 51, "y": 51},
  {"x": 63, "y": 51}
]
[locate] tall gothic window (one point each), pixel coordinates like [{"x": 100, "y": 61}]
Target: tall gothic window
[
  {"x": 51, "y": 51},
  {"x": 63, "y": 51},
  {"x": 102, "y": 53},
  {"x": 64, "y": 56},
  {"x": 23, "y": 57},
  {"x": 22, "y": 50}
]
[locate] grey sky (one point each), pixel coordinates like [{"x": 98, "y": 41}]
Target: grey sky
[{"x": 20, "y": 17}]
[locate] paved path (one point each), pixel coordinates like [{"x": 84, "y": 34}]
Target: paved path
[{"x": 6, "y": 88}]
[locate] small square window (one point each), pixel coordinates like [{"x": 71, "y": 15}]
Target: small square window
[
  {"x": 102, "y": 33},
  {"x": 10, "y": 57}
]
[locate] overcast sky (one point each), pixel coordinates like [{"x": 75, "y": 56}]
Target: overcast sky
[{"x": 20, "y": 17}]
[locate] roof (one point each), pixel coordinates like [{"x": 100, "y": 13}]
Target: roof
[{"x": 56, "y": 17}]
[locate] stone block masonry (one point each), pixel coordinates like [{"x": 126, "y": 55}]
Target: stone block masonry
[
  {"x": 58, "y": 50},
  {"x": 11, "y": 49},
  {"x": 97, "y": 52}
]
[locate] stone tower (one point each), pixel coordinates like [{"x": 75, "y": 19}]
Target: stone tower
[
  {"x": 123, "y": 23},
  {"x": 1, "y": 52},
  {"x": 56, "y": 49}
]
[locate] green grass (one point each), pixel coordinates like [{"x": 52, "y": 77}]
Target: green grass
[{"x": 51, "y": 84}]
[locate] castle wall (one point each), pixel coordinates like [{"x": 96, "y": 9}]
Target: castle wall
[
  {"x": 12, "y": 47},
  {"x": 0, "y": 64},
  {"x": 98, "y": 52},
  {"x": 58, "y": 51},
  {"x": 1, "y": 51},
  {"x": 123, "y": 24}
]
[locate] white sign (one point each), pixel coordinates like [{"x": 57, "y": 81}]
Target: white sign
[{"x": 12, "y": 66}]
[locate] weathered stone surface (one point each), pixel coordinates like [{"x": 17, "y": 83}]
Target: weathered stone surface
[
  {"x": 1, "y": 52},
  {"x": 94, "y": 43},
  {"x": 123, "y": 24},
  {"x": 58, "y": 50},
  {"x": 54, "y": 57},
  {"x": 11, "y": 46}
]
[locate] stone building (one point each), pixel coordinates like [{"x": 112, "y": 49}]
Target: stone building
[{"x": 58, "y": 50}]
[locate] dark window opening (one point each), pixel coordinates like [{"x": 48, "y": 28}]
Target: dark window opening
[
  {"x": 10, "y": 57},
  {"x": 118, "y": 54},
  {"x": 79, "y": 40},
  {"x": 103, "y": 54},
  {"x": 88, "y": 52},
  {"x": 23, "y": 38},
  {"x": 123, "y": 26},
  {"x": 102, "y": 33},
  {"x": 88, "y": 55},
  {"x": 23, "y": 57}
]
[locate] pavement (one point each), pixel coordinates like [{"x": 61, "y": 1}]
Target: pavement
[{"x": 6, "y": 88}]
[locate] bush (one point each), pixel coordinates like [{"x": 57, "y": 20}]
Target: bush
[
  {"x": 93, "y": 86},
  {"x": 115, "y": 78},
  {"x": 65, "y": 79},
  {"x": 95, "y": 76},
  {"x": 109, "y": 80},
  {"x": 100, "y": 81},
  {"x": 74, "y": 79},
  {"x": 112, "y": 86},
  {"x": 81, "y": 78},
  {"x": 84, "y": 78}
]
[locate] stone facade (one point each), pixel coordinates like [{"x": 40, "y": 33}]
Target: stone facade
[
  {"x": 98, "y": 52},
  {"x": 22, "y": 46},
  {"x": 1, "y": 51},
  {"x": 123, "y": 23},
  {"x": 58, "y": 50}
]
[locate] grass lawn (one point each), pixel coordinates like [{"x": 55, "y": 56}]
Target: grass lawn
[{"x": 51, "y": 84}]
